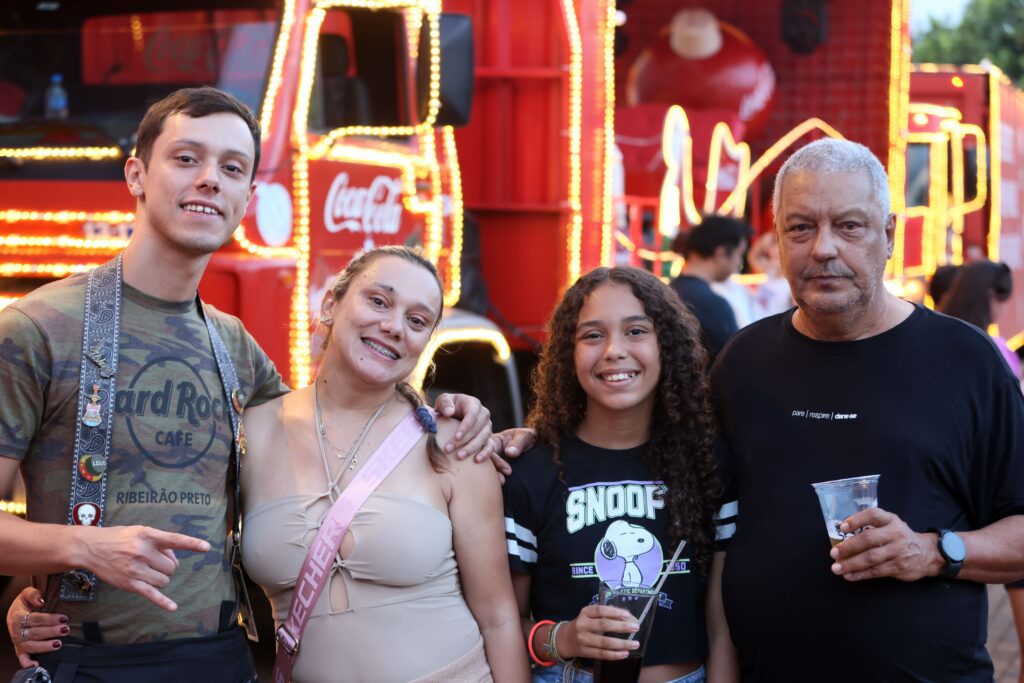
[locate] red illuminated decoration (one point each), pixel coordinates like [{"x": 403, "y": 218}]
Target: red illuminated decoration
[{"x": 699, "y": 62}]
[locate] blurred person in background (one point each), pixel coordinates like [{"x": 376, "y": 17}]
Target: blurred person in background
[
  {"x": 979, "y": 291},
  {"x": 773, "y": 296},
  {"x": 940, "y": 282},
  {"x": 713, "y": 251}
]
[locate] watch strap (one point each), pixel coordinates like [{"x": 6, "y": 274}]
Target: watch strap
[{"x": 952, "y": 566}]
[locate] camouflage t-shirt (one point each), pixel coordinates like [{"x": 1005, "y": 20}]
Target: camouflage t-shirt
[{"x": 170, "y": 445}]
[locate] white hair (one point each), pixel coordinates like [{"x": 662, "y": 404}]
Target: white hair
[{"x": 832, "y": 155}]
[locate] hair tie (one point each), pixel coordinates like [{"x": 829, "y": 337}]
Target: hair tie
[{"x": 426, "y": 419}]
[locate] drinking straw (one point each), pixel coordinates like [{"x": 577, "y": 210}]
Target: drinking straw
[{"x": 661, "y": 582}]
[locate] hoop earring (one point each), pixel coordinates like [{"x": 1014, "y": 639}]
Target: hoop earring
[{"x": 326, "y": 319}]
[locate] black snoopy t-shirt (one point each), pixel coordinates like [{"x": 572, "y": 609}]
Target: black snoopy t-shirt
[{"x": 605, "y": 522}]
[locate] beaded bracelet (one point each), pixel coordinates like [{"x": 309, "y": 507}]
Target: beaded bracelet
[{"x": 529, "y": 643}]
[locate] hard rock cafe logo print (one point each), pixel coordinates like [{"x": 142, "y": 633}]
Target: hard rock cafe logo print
[
  {"x": 369, "y": 210},
  {"x": 171, "y": 413}
]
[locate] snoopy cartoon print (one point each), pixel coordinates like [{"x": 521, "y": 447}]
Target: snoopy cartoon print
[{"x": 628, "y": 556}]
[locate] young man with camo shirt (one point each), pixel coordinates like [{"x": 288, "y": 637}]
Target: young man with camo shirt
[{"x": 126, "y": 439}]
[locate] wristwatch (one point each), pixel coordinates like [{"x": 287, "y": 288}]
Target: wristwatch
[{"x": 953, "y": 551}]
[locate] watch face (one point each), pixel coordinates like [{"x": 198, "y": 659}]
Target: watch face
[{"x": 953, "y": 547}]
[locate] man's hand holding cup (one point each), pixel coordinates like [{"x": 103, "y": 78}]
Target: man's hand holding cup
[{"x": 886, "y": 546}]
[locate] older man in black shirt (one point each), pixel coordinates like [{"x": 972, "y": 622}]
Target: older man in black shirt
[{"x": 852, "y": 382}]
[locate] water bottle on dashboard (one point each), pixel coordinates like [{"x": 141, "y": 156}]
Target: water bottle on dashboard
[{"x": 56, "y": 99}]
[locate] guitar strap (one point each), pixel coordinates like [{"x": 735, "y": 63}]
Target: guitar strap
[{"x": 101, "y": 331}]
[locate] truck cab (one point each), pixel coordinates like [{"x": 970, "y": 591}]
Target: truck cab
[{"x": 358, "y": 150}]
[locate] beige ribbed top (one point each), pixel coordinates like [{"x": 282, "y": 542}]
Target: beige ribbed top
[{"x": 393, "y": 609}]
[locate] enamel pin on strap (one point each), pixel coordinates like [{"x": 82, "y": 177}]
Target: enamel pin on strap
[{"x": 101, "y": 327}]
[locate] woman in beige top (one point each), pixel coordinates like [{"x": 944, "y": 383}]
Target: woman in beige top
[{"x": 420, "y": 589}]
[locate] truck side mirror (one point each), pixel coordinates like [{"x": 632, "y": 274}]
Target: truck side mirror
[{"x": 456, "y": 33}]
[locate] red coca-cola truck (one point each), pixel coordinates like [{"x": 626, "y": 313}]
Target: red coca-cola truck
[
  {"x": 357, "y": 102},
  {"x": 571, "y": 155},
  {"x": 354, "y": 97}
]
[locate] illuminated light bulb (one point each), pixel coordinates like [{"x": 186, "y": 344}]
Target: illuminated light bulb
[
  {"x": 277, "y": 64},
  {"x": 899, "y": 101},
  {"x": 60, "y": 153},
  {"x": 722, "y": 138},
  {"x": 260, "y": 250},
  {"x": 13, "y": 508},
  {"x": 607, "y": 207},
  {"x": 995, "y": 163},
  {"x": 575, "y": 131},
  {"x": 451, "y": 156},
  {"x": 442, "y": 337}
]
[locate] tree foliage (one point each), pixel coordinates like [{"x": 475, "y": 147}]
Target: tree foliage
[{"x": 990, "y": 29}]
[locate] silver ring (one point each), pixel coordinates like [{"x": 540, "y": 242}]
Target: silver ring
[
  {"x": 24, "y": 634},
  {"x": 24, "y": 620}
]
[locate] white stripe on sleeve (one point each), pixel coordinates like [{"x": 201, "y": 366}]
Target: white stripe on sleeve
[
  {"x": 520, "y": 532},
  {"x": 730, "y": 509},
  {"x": 524, "y": 554}
]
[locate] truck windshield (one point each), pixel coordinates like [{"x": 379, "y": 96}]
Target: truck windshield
[
  {"x": 918, "y": 173},
  {"x": 83, "y": 72}
]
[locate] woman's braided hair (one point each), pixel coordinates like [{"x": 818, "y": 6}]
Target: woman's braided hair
[{"x": 679, "y": 451}]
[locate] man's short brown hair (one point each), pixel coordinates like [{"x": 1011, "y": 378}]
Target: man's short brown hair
[{"x": 194, "y": 103}]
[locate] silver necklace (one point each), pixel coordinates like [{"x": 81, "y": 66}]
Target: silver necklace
[{"x": 350, "y": 457}]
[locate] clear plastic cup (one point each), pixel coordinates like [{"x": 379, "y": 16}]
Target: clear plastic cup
[
  {"x": 843, "y": 497},
  {"x": 642, "y": 605}
]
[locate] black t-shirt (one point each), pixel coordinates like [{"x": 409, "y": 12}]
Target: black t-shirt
[
  {"x": 715, "y": 315},
  {"x": 930, "y": 406},
  {"x": 606, "y": 521}
]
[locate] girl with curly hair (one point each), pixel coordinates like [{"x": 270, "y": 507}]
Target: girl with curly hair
[{"x": 623, "y": 471}]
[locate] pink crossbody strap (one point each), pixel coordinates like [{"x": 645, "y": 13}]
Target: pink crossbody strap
[{"x": 316, "y": 568}]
